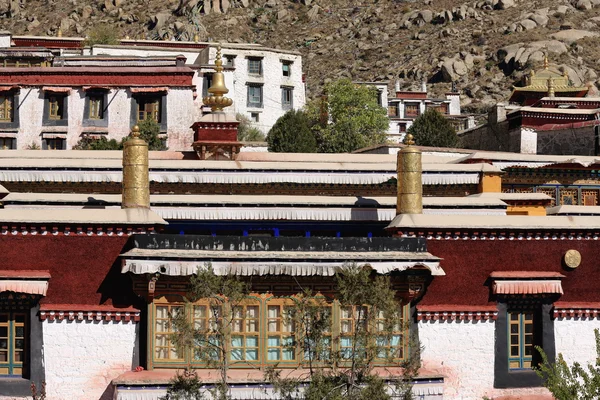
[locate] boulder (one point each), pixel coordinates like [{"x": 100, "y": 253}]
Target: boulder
[
  {"x": 528, "y": 24},
  {"x": 460, "y": 67},
  {"x": 539, "y": 19},
  {"x": 447, "y": 70},
  {"x": 584, "y": 5},
  {"x": 561, "y": 10},
  {"x": 313, "y": 13},
  {"x": 86, "y": 12},
  {"x": 572, "y": 35},
  {"x": 426, "y": 16},
  {"x": 504, "y": 4},
  {"x": 160, "y": 19}
]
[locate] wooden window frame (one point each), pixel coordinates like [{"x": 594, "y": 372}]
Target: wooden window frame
[
  {"x": 253, "y": 62},
  {"x": 288, "y": 73},
  {"x": 6, "y": 107},
  {"x": 518, "y": 322},
  {"x": 408, "y": 106},
  {"x": 180, "y": 357},
  {"x": 56, "y": 104},
  {"x": 285, "y": 332},
  {"x": 148, "y": 105},
  {"x": 252, "y": 96},
  {"x": 4, "y": 140},
  {"x": 244, "y": 321},
  {"x": 286, "y": 91},
  {"x": 12, "y": 367},
  {"x": 96, "y": 106},
  {"x": 51, "y": 143}
]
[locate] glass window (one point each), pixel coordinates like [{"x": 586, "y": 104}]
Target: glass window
[
  {"x": 411, "y": 110},
  {"x": 230, "y": 61},
  {"x": 520, "y": 340},
  {"x": 254, "y": 117},
  {"x": 13, "y": 342},
  {"x": 96, "y": 106},
  {"x": 7, "y": 143},
  {"x": 280, "y": 333},
  {"x": 287, "y": 95},
  {"x": 6, "y": 107},
  {"x": 255, "y": 98},
  {"x": 149, "y": 108},
  {"x": 244, "y": 333},
  {"x": 286, "y": 68},
  {"x": 255, "y": 66},
  {"x": 163, "y": 329},
  {"x": 56, "y": 107},
  {"x": 54, "y": 144}
]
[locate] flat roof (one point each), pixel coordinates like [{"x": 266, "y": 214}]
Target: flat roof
[{"x": 130, "y": 216}]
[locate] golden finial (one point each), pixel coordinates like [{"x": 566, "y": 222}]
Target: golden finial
[
  {"x": 216, "y": 101},
  {"x": 126, "y": 37},
  {"x": 196, "y": 38},
  {"x": 59, "y": 33},
  {"x": 410, "y": 140},
  {"x": 545, "y": 61},
  {"x": 135, "y": 184},
  {"x": 550, "y": 87},
  {"x": 410, "y": 185}
]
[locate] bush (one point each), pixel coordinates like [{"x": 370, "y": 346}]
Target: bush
[
  {"x": 432, "y": 129},
  {"x": 247, "y": 132},
  {"x": 102, "y": 34},
  {"x": 292, "y": 134},
  {"x": 149, "y": 132}
]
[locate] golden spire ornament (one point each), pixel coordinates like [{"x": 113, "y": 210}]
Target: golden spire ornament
[
  {"x": 546, "y": 61},
  {"x": 409, "y": 175},
  {"x": 550, "y": 87},
  {"x": 216, "y": 101}
]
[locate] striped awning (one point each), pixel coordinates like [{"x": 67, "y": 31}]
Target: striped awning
[
  {"x": 25, "y": 281},
  {"x": 151, "y": 89},
  {"x": 528, "y": 287},
  {"x": 57, "y": 89}
]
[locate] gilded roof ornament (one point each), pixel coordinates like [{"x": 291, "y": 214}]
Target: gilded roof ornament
[
  {"x": 546, "y": 65},
  {"x": 216, "y": 101}
]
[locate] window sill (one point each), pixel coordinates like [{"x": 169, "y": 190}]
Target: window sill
[
  {"x": 254, "y": 109},
  {"x": 10, "y": 386}
]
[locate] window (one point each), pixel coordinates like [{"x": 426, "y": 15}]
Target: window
[
  {"x": 255, "y": 96},
  {"x": 13, "y": 339},
  {"x": 206, "y": 84},
  {"x": 254, "y": 117},
  {"x": 96, "y": 106},
  {"x": 350, "y": 319},
  {"x": 411, "y": 110},
  {"x": 230, "y": 61},
  {"x": 520, "y": 339},
  {"x": 401, "y": 128},
  {"x": 55, "y": 107},
  {"x": 255, "y": 66},
  {"x": 149, "y": 108},
  {"x": 280, "y": 333},
  {"x": 286, "y": 68},
  {"x": 287, "y": 95},
  {"x": 163, "y": 329},
  {"x": 244, "y": 336},
  {"x": 54, "y": 144},
  {"x": 7, "y": 143},
  {"x": 206, "y": 317},
  {"x": 6, "y": 107}
]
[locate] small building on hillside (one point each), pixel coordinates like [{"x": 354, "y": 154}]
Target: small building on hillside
[
  {"x": 406, "y": 106},
  {"x": 130, "y": 82},
  {"x": 548, "y": 115}
]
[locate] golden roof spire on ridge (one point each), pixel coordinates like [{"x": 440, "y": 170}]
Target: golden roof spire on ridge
[{"x": 216, "y": 101}]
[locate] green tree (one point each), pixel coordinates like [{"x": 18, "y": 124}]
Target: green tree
[
  {"x": 149, "y": 131},
  {"x": 102, "y": 34},
  {"x": 354, "y": 119},
  {"x": 571, "y": 382},
  {"x": 88, "y": 143},
  {"x": 432, "y": 129},
  {"x": 370, "y": 304},
  {"x": 225, "y": 295},
  {"x": 247, "y": 132},
  {"x": 292, "y": 134}
]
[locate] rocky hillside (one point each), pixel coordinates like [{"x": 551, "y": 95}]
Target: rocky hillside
[{"x": 484, "y": 46}]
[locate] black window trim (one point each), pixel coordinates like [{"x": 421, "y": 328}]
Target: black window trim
[
  {"x": 87, "y": 122},
  {"x": 47, "y": 121}
]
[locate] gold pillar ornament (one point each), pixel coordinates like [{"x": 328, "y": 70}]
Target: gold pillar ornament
[
  {"x": 136, "y": 180},
  {"x": 410, "y": 185},
  {"x": 59, "y": 33},
  {"x": 546, "y": 64},
  {"x": 216, "y": 101},
  {"x": 550, "y": 87}
]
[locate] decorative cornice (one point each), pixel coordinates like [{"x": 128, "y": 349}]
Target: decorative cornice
[
  {"x": 62, "y": 230},
  {"x": 576, "y": 310},
  {"x": 125, "y": 316},
  {"x": 501, "y": 235},
  {"x": 456, "y": 315}
]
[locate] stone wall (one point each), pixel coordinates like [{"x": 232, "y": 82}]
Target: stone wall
[
  {"x": 574, "y": 338},
  {"x": 82, "y": 357},
  {"x": 463, "y": 352},
  {"x": 578, "y": 141},
  {"x": 494, "y": 137}
]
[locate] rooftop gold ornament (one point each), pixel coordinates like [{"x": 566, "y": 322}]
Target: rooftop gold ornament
[
  {"x": 546, "y": 65},
  {"x": 572, "y": 258},
  {"x": 59, "y": 33},
  {"x": 550, "y": 87},
  {"x": 136, "y": 182},
  {"x": 216, "y": 101},
  {"x": 410, "y": 185}
]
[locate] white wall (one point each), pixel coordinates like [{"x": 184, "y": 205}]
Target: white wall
[
  {"x": 181, "y": 114},
  {"x": 574, "y": 338},
  {"x": 272, "y": 80},
  {"x": 463, "y": 351},
  {"x": 83, "y": 357}
]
